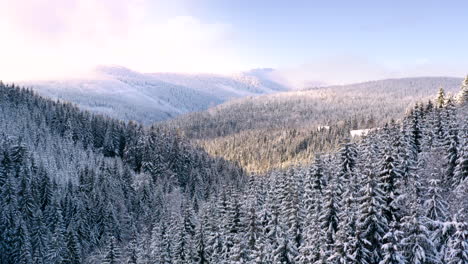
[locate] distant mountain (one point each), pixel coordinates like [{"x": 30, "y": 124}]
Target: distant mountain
[
  {"x": 273, "y": 130},
  {"x": 149, "y": 97},
  {"x": 382, "y": 100}
]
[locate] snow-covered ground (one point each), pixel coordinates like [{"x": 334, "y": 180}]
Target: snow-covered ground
[{"x": 360, "y": 132}]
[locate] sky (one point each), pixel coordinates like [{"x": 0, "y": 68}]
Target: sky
[{"x": 310, "y": 41}]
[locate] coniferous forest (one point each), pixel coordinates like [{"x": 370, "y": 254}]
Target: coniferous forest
[{"x": 82, "y": 188}]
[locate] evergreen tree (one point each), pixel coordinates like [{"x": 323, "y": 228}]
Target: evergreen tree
[
  {"x": 182, "y": 244},
  {"x": 458, "y": 245},
  {"x": 73, "y": 255},
  {"x": 329, "y": 215},
  {"x": 24, "y": 251},
  {"x": 113, "y": 253},
  {"x": 440, "y": 98},
  {"x": 435, "y": 205},
  {"x": 390, "y": 177},
  {"x": 461, "y": 169},
  {"x": 132, "y": 252},
  {"x": 57, "y": 246},
  {"x": 463, "y": 95},
  {"x": 372, "y": 224},
  {"x": 451, "y": 156},
  {"x": 40, "y": 237},
  {"x": 201, "y": 254},
  {"x": 391, "y": 248},
  {"x": 253, "y": 231},
  {"x": 417, "y": 244},
  {"x": 286, "y": 252}
]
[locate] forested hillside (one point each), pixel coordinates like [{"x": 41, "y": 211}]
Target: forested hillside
[
  {"x": 72, "y": 182},
  {"x": 146, "y": 98},
  {"x": 278, "y": 130},
  {"x": 397, "y": 196}
]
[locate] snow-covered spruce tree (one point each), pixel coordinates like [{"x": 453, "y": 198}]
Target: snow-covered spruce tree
[
  {"x": 73, "y": 255},
  {"x": 201, "y": 254},
  {"x": 182, "y": 243},
  {"x": 184, "y": 247},
  {"x": 263, "y": 254},
  {"x": 347, "y": 156},
  {"x": 40, "y": 236},
  {"x": 113, "y": 252},
  {"x": 349, "y": 179},
  {"x": 314, "y": 185},
  {"x": 461, "y": 168},
  {"x": 392, "y": 248},
  {"x": 286, "y": 251},
  {"x": 270, "y": 221},
  {"x": 284, "y": 227},
  {"x": 372, "y": 224},
  {"x": 9, "y": 221},
  {"x": 24, "y": 245},
  {"x": 215, "y": 228},
  {"x": 417, "y": 244},
  {"x": 415, "y": 129},
  {"x": 345, "y": 242},
  {"x": 451, "y": 154},
  {"x": 328, "y": 219},
  {"x": 458, "y": 245},
  {"x": 253, "y": 229},
  {"x": 133, "y": 153},
  {"x": 161, "y": 243},
  {"x": 232, "y": 225},
  {"x": 390, "y": 181},
  {"x": 317, "y": 176},
  {"x": 245, "y": 242},
  {"x": 435, "y": 206},
  {"x": 26, "y": 203},
  {"x": 410, "y": 150},
  {"x": 57, "y": 246},
  {"x": 463, "y": 94},
  {"x": 291, "y": 213},
  {"x": 132, "y": 252},
  {"x": 440, "y": 100},
  {"x": 432, "y": 127}
]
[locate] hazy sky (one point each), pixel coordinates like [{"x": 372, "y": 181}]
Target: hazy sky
[{"x": 317, "y": 41}]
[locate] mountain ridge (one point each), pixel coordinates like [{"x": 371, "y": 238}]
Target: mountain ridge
[{"x": 150, "y": 97}]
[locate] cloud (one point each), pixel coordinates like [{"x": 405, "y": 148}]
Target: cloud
[
  {"x": 44, "y": 39},
  {"x": 346, "y": 69}
]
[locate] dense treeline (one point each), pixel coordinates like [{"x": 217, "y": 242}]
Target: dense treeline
[
  {"x": 70, "y": 181},
  {"x": 264, "y": 150},
  {"x": 236, "y": 128}
]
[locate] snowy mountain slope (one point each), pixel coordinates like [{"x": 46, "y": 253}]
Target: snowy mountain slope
[
  {"x": 377, "y": 100},
  {"x": 224, "y": 86},
  {"x": 122, "y": 93}
]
